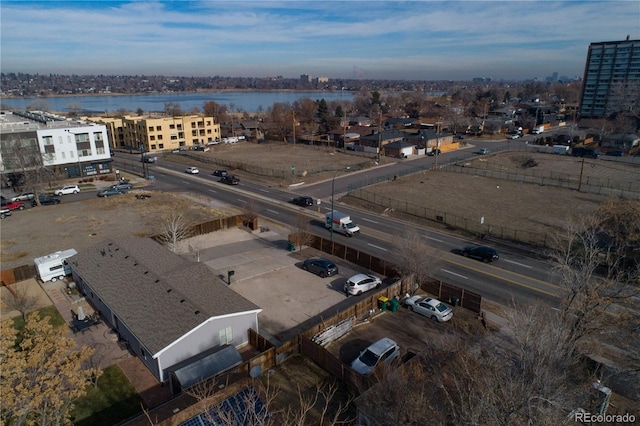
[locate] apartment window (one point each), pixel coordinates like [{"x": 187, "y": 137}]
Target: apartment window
[
  {"x": 226, "y": 336},
  {"x": 161, "y": 146},
  {"x": 158, "y": 128},
  {"x": 97, "y": 136},
  {"x": 159, "y": 137},
  {"x": 152, "y": 138},
  {"x": 174, "y": 137},
  {"x": 99, "y": 144},
  {"x": 153, "y": 147},
  {"x": 172, "y": 126},
  {"x": 151, "y": 128}
]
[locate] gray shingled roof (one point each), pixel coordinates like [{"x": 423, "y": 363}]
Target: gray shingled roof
[{"x": 157, "y": 294}]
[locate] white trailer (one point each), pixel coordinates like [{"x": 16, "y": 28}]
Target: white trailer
[
  {"x": 53, "y": 267},
  {"x": 341, "y": 222}
]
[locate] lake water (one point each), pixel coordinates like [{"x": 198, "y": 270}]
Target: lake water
[{"x": 242, "y": 101}]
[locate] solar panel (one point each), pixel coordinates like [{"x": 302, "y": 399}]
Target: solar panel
[{"x": 235, "y": 407}]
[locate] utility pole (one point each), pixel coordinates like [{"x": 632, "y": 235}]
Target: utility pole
[
  {"x": 293, "y": 116},
  {"x": 581, "y": 170}
]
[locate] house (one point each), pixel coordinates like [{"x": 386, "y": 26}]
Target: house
[
  {"x": 399, "y": 149},
  {"x": 375, "y": 139},
  {"x": 165, "y": 308},
  {"x": 360, "y": 121},
  {"x": 429, "y": 139},
  {"x": 399, "y": 123}
]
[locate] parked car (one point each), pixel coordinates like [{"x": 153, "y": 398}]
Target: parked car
[
  {"x": 4, "y": 213},
  {"x": 24, "y": 196},
  {"x": 434, "y": 152},
  {"x": 11, "y": 205},
  {"x": 45, "y": 200},
  {"x": 303, "y": 201},
  {"x": 484, "y": 253},
  {"x": 484, "y": 151},
  {"x": 68, "y": 189},
  {"x": 360, "y": 283},
  {"x": 109, "y": 192},
  {"x": 585, "y": 152},
  {"x": 220, "y": 173},
  {"x": 192, "y": 170},
  {"x": 230, "y": 180},
  {"x": 384, "y": 351},
  {"x": 122, "y": 186},
  {"x": 320, "y": 266},
  {"x": 513, "y": 136},
  {"x": 616, "y": 153},
  {"x": 430, "y": 308}
]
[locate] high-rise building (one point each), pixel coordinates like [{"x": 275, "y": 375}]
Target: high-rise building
[{"x": 611, "y": 74}]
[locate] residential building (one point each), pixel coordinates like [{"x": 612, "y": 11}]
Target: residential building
[
  {"x": 156, "y": 134},
  {"x": 73, "y": 148},
  {"x": 612, "y": 68},
  {"x": 174, "y": 314}
]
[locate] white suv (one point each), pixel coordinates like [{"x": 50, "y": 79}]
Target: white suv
[{"x": 69, "y": 189}]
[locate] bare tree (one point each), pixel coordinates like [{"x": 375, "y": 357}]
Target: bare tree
[
  {"x": 415, "y": 257},
  {"x": 174, "y": 229},
  {"x": 173, "y": 109},
  {"x": 28, "y": 164},
  {"x": 301, "y": 234},
  {"x": 21, "y": 300},
  {"x": 586, "y": 295}
]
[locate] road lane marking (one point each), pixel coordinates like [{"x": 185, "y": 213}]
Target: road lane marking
[
  {"x": 273, "y": 211},
  {"x": 265, "y": 190},
  {"x": 242, "y": 201},
  {"x": 453, "y": 273},
  {"x": 517, "y": 263},
  {"x": 368, "y": 220},
  {"x": 435, "y": 239},
  {"x": 213, "y": 190},
  {"x": 378, "y": 247}
]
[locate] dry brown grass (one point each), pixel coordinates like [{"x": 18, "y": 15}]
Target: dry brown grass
[{"x": 42, "y": 230}]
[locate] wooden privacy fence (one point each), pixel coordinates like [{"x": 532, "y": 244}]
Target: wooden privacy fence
[{"x": 21, "y": 273}]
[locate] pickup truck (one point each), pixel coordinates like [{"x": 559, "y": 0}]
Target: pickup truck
[{"x": 12, "y": 205}]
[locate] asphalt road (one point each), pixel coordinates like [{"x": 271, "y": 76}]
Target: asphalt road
[{"x": 516, "y": 276}]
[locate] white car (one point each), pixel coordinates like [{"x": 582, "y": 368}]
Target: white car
[
  {"x": 360, "y": 283},
  {"x": 430, "y": 308},
  {"x": 192, "y": 170},
  {"x": 384, "y": 350},
  {"x": 513, "y": 136},
  {"x": 68, "y": 189}
]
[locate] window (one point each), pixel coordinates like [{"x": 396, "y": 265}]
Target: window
[
  {"x": 158, "y": 128},
  {"x": 161, "y": 146},
  {"x": 151, "y": 128},
  {"x": 159, "y": 137},
  {"x": 172, "y": 126},
  {"x": 153, "y": 147},
  {"x": 97, "y": 136},
  {"x": 226, "y": 336}
]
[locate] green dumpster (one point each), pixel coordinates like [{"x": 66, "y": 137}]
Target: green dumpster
[
  {"x": 383, "y": 302},
  {"x": 292, "y": 246},
  {"x": 393, "y": 305}
]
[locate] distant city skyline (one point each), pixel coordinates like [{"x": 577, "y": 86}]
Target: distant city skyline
[{"x": 393, "y": 40}]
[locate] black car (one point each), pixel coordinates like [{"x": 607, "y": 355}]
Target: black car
[
  {"x": 303, "y": 201},
  {"x": 230, "y": 180},
  {"x": 46, "y": 200},
  {"x": 434, "y": 152},
  {"x": 320, "y": 266},
  {"x": 484, "y": 253},
  {"x": 220, "y": 173}
]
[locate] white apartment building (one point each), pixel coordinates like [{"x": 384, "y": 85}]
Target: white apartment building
[{"x": 74, "y": 148}]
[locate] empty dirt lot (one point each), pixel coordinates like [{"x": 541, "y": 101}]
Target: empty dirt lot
[{"x": 505, "y": 204}]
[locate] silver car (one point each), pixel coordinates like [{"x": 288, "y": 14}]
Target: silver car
[
  {"x": 360, "y": 283},
  {"x": 430, "y": 308},
  {"x": 384, "y": 350}
]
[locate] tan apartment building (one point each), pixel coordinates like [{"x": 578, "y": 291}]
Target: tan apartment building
[{"x": 158, "y": 134}]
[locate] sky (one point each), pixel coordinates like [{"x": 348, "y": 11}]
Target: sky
[{"x": 397, "y": 40}]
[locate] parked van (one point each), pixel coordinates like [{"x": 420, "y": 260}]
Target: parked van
[{"x": 585, "y": 152}]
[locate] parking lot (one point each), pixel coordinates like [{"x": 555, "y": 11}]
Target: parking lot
[{"x": 292, "y": 299}]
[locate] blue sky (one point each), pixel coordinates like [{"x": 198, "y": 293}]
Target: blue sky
[{"x": 420, "y": 40}]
